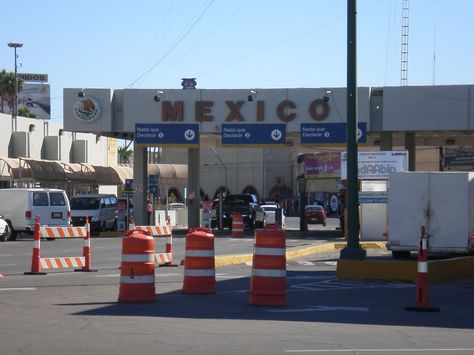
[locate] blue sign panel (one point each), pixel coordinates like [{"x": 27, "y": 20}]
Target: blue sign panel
[
  {"x": 167, "y": 134},
  {"x": 253, "y": 134},
  {"x": 314, "y": 133}
]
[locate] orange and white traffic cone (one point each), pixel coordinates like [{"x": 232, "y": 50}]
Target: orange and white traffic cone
[
  {"x": 36, "y": 257},
  {"x": 422, "y": 278},
  {"x": 237, "y": 226}
]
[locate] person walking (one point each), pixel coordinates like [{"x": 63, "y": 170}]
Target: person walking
[{"x": 149, "y": 210}]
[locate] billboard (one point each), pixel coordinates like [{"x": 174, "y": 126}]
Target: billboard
[
  {"x": 377, "y": 165},
  {"x": 36, "y": 98},
  {"x": 322, "y": 165}
]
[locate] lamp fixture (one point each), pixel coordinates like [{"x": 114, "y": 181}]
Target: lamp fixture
[
  {"x": 326, "y": 97},
  {"x": 252, "y": 94},
  {"x": 158, "y": 95}
]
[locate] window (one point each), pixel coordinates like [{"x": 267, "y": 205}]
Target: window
[
  {"x": 57, "y": 199},
  {"x": 113, "y": 201},
  {"x": 40, "y": 199}
]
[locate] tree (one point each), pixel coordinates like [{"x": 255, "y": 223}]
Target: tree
[
  {"x": 7, "y": 88},
  {"x": 125, "y": 154},
  {"x": 24, "y": 112}
]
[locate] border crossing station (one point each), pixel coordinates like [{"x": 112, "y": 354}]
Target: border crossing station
[{"x": 258, "y": 128}]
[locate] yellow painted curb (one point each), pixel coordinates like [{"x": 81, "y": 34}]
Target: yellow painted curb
[
  {"x": 364, "y": 245},
  {"x": 405, "y": 271},
  {"x": 227, "y": 260}
]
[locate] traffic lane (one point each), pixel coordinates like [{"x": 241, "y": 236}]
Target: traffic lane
[
  {"x": 16, "y": 257},
  {"x": 322, "y": 314}
]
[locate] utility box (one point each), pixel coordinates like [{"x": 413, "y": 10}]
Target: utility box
[{"x": 443, "y": 202}]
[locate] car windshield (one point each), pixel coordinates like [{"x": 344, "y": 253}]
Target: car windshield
[
  {"x": 84, "y": 203},
  {"x": 238, "y": 198},
  {"x": 315, "y": 208},
  {"x": 270, "y": 208}
]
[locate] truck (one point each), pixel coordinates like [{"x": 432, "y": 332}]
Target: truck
[
  {"x": 246, "y": 205},
  {"x": 442, "y": 202}
]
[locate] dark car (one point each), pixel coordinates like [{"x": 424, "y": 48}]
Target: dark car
[
  {"x": 244, "y": 204},
  {"x": 314, "y": 214}
]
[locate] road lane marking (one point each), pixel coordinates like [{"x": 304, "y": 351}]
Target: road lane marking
[
  {"x": 320, "y": 309},
  {"x": 18, "y": 289},
  {"x": 376, "y": 350}
]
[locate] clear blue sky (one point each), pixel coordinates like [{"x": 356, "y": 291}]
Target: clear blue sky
[{"x": 233, "y": 43}]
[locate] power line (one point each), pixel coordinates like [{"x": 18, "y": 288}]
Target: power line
[{"x": 164, "y": 56}]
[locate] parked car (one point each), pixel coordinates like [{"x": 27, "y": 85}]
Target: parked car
[
  {"x": 3, "y": 230},
  {"x": 20, "y": 207},
  {"x": 314, "y": 214},
  {"x": 101, "y": 209},
  {"x": 246, "y": 205},
  {"x": 267, "y": 215}
]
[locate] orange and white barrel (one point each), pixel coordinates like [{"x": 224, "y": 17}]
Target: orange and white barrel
[
  {"x": 199, "y": 263},
  {"x": 268, "y": 281},
  {"x": 137, "y": 271},
  {"x": 237, "y": 226}
]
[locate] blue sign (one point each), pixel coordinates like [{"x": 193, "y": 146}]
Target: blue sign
[
  {"x": 314, "y": 133},
  {"x": 128, "y": 184},
  {"x": 253, "y": 134},
  {"x": 157, "y": 134}
]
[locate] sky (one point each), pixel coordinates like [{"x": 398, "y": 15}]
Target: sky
[{"x": 152, "y": 44}]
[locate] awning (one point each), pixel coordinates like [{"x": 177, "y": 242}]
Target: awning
[
  {"x": 9, "y": 168},
  {"x": 45, "y": 170},
  {"x": 78, "y": 172},
  {"x": 170, "y": 174},
  {"x": 104, "y": 175}
]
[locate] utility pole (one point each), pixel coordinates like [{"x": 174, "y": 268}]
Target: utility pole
[
  {"x": 15, "y": 95},
  {"x": 352, "y": 250}
]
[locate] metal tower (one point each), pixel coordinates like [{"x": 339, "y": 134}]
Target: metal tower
[{"x": 404, "y": 47}]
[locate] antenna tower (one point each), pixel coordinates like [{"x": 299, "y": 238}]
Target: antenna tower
[{"x": 404, "y": 47}]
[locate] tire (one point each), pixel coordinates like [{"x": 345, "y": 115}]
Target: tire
[
  {"x": 11, "y": 234},
  {"x": 114, "y": 226},
  {"x": 6, "y": 234}
]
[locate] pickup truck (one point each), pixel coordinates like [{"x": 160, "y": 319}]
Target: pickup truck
[{"x": 245, "y": 204}]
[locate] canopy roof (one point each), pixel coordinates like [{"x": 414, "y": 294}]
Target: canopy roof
[{"x": 49, "y": 170}]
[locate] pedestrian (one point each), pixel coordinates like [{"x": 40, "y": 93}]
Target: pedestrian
[{"x": 149, "y": 210}]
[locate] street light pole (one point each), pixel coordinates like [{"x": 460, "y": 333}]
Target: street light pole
[
  {"x": 221, "y": 227},
  {"x": 15, "y": 95},
  {"x": 223, "y": 165},
  {"x": 353, "y": 249}
]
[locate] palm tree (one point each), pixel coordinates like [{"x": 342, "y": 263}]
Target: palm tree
[
  {"x": 125, "y": 154},
  {"x": 7, "y": 87}
]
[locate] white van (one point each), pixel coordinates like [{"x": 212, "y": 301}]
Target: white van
[
  {"x": 101, "y": 209},
  {"x": 19, "y": 208}
]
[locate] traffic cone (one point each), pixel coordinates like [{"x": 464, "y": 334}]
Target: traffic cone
[{"x": 422, "y": 278}]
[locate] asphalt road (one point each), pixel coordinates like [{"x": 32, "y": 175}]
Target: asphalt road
[{"x": 66, "y": 312}]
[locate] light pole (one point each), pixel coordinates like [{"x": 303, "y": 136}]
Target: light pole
[
  {"x": 15, "y": 95},
  {"x": 223, "y": 165},
  {"x": 221, "y": 227}
]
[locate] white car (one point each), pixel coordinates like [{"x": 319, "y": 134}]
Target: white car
[
  {"x": 267, "y": 215},
  {"x": 4, "y": 230}
]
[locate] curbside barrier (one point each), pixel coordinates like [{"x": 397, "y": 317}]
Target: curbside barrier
[
  {"x": 166, "y": 258},
  {"x": 237, "y": 225},
  {"x": 137, "y": 269},
  {"x": 422, "y": 303},
  {"x": 80, "y": 263},
  {"x": 199, "y": 263},
  {"x": 268, "y": 282}
]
